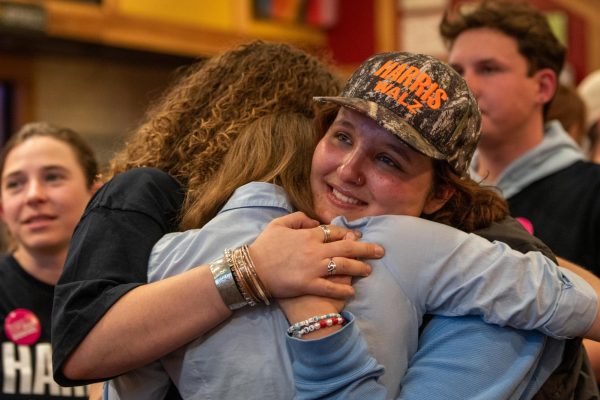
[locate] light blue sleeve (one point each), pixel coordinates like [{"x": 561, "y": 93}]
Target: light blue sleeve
[
  {"x": 338, "y": 366},
  {"x": 463, "y": 274},
  {"x": 459, "y": 358},
  {"x": 464, "y": 358}
]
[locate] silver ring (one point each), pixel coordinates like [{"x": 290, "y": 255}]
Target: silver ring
[
  {"x": 331, "y": 267},
  {"x": 326, "y": 233}
]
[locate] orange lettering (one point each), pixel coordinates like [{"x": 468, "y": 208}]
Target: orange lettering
[
  {"x": 396, "y": 73},
  {"x": 426, "y": 95},
  {"x": 394, "y": 92},
  {"x": 401, "y": 99},
  {"x": 407, "y": 77},
  {"x": 436, "y": 101},
  {"x": 386, "y": 69},
  {"x": 414, "y": 107},
  {"x": 423, "y": 81},
  {"x": 382, "y": 86}
]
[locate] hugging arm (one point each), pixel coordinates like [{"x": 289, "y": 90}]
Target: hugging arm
[
  {"x": 450, "y": 339},
  {"x": 512, "y": 233},
  {"x": 454, "y": 278},
  {"x": 349, "y": 372},
  {"x": 453, "y": 362},
  {"x": 593, "y": 332},
  {"x": 107, "y": 258},
  {"x": 103, "y": 293}
]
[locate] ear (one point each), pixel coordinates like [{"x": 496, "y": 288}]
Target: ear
[
  {"x": 547, "y": 82},
  {"x": 437, "y": 198}
]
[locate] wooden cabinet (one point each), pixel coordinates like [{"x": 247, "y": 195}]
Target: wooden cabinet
[{"x": 180, "y": 27}]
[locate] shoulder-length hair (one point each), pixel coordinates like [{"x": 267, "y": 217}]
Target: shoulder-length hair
[{"x": 275, "y": 148}]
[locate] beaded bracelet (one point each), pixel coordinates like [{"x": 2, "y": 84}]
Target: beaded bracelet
[{"x": 314, "y": 323}]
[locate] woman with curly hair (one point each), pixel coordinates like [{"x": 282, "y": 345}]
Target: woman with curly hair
[
  {"x": 365, "y": 173},
  {"x": 102, "y": 296}
]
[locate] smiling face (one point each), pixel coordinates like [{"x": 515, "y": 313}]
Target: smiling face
[
  {"x": 43, "y": 194},
  {"x": 360, "y": 169}
]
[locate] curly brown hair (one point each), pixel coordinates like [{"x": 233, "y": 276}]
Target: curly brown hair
[
  {"x": 188, "y": 132},
  {"x": 471, "y": 206}
]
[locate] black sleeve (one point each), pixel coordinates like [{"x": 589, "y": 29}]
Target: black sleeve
[
  {"x": 511, "y": 232},
  {"x": 109, "y": 253}
]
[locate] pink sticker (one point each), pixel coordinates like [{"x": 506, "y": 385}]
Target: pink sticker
[
  {"x": 527, "y": 224},
  {"x": 22, "y": 327}
]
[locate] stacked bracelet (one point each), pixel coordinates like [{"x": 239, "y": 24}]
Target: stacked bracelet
[
  {"x": 237, "y": 280},
  {"x": 312, "y": 324},
  {"x": 226, "y": 285}
]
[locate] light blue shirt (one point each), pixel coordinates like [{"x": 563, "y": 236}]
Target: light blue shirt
[
  {"x": 458, "y": 358},
  {"x": 427, "y": 267}
]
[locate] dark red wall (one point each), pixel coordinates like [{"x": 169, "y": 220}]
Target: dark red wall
[{"x": 352, "y": 40}]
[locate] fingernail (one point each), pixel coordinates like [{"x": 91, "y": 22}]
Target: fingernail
[
  {"x": 357, "y": 233},
  {"x": 350, "y": 236},
  {"x": 379, "y": 251}
]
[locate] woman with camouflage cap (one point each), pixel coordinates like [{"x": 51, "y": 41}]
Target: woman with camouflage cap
[
  {"x": 380, "y": 175},
  {"x": 360, "y": 164}
]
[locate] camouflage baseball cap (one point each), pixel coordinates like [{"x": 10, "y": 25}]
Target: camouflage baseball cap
[{"x": 421, "y": 100}]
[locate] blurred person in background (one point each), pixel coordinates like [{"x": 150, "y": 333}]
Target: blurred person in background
[
  {"x": 568, "y": 108},
  {"x": 543, "y": 174},
  {"x": 589, "y": 90},
  {"x": 47, "y": 176}
]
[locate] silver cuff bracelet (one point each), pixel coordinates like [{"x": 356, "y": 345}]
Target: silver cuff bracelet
[{"x": 226, "y": 284}]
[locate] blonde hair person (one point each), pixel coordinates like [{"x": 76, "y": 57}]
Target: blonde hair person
[
  {"x": 106, "y": 319},
  {"x": 47, "y": 176}
]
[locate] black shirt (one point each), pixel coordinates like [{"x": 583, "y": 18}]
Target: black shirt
[
  {"x": 26, "y": 355},
  {"x": 564, "y": 209},
  {"x": 109, "y": 253}
]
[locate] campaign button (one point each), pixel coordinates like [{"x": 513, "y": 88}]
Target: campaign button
[{"x": 22, "y": 327}]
